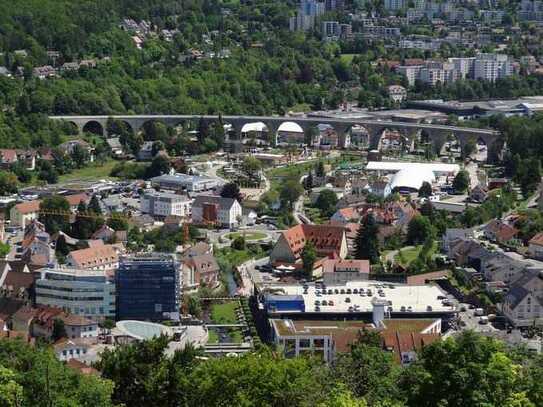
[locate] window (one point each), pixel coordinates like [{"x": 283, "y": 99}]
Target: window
[{"x": 305, "y": 343}]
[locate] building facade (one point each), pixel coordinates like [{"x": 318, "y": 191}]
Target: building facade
[
  {"x": 163, "y": 204},
  {"x": 87, "y": 293},
  {"x": 148, "y": 288}
]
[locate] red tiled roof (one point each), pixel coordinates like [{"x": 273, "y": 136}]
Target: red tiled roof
[
  {"x": 8, "y": 155},
  {"x": 537, "y": 239},
  {"x": 94, "y": 256},
  {"x": 325, "y": 238},
  {"x": 76, "y": 199},
  {"x": 502, "y": 231},
  {"x": 82, "y": 367},
  {"x": 28, "y": 207},
  {"x": 399, "y": 342}
]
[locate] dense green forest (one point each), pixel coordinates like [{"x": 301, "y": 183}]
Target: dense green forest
[
  {"x": 470, "y": 370},
  {"x": 268, "y": 70}
]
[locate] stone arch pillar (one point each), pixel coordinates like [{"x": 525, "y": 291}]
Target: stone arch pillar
[
  {"x": 375, "y": 133},
  {"x": 341, "y": 130},
  {"x": 273, "y": 127}
]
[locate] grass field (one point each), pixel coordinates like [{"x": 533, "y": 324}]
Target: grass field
[
  {"x": 347, "y": 57},
  {"x": 93, "y": 172},
  {"x": 213, "y": 336},
  {"x": 252, "y": 235},
  {"x": 411, "y": 254},
  {"x": 224, "y": 313}
]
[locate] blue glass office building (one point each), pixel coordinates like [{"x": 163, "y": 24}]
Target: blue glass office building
[{"x": 148, "y": 288}]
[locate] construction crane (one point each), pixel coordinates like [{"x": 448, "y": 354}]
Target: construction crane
[{"x": 91, "y": 215}]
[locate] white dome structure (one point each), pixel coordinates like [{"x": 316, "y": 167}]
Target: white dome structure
[{"x": 411, "y": 178}]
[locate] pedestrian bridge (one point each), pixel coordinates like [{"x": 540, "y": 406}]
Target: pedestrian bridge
[{"x": 436, "y": 134}]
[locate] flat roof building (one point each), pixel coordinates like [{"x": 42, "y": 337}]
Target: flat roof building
[
  {"x": 185, "y": 182},
  {"x": 354, "y": 298}
]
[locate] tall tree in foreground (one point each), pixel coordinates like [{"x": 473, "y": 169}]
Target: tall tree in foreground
[
  {"x": 366, "y": 242},
  {"x": 231, "y": 190},
  {"x": 309, "y": 255}
]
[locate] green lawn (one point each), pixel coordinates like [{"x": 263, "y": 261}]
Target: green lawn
[
  {"x": 92, "y": 172},
  {"x": 251, "y": 235},
  {"x": 235, "y": 336},
  {"x": 224, "y": 313},
  {"x": 347, "y": 57},
  {"x": 213, "y": 336},
  {"x": 411, "y": 254}
]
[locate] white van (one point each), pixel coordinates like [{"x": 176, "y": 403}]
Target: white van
[
  {"x": 483, "y": 320},
  {"x": 478, "y": 312}
]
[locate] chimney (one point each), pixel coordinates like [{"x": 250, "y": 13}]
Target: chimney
[{"x": 378, "y": 311}]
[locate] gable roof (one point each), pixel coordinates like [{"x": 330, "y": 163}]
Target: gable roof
[
  {"x": 28, "y": 207},
  {"x": 502, "y": 231},
  {"x": 537, "y": 239},
  {"x": 94, "y": 256},
  {"x": 223, "y": 203},
  {"x": 76, "y": 199},
  {"x": 205, "y": 263},
  {"x": 326, "y": 238}
]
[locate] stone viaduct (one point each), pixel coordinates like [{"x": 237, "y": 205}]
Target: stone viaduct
[{"x": 436, "y": 134}]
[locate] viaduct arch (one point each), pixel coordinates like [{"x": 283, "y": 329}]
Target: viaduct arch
[{"x": 437, "y": 134}]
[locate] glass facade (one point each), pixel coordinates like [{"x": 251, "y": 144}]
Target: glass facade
[{"x": 148, "y": 288}]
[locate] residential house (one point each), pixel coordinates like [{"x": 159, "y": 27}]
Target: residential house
[
  {"x": 200, "y": 270},
  {"x": 453, "y": 235},
  {"x": 35, "y": 248},
  {"x": 146, "y": 151},
  {"x": 24, "y": 212},
  {"x": 67, "y": 349},
  {"x": 69, "y": 146},
  {"x": 115, "y": 146},
  {"x": 328, "y": 241},
  {"x": 346, "y": 215},
  {"x": 199, "y": 249},
  {"x": 535, "y": 246},
  {"x": 78, "y": 326},
  {"x": 16, "y": 284},
  {"x": 44, "y": 72},
  {"x": 397, "y": 93},
  {"x": 100, "y": 257},
  {"x": 211, "y": 209},
  {"x": 478, "y": 194},
  {"x": 523, "y": 304},
  {"x": 500, "y": 232},
  {"x": 37, "y": 322},
  {"x": 109, "y": 235}
]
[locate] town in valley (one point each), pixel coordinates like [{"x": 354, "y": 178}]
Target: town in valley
[{"x": 314, "y": 203}]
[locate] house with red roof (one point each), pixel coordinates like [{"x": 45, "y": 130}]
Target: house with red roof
[
  {"x": 328, "y": 241},
  {"x": 500, "y": 232},
  {"x": 535, "y": 246}
]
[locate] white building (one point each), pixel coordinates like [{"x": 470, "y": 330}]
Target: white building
[
  {"x": 492, "y": 66},
  {"x": 523, "y": 304},
  {"x": 397, "y": 93},
  {"x": 81, "y": 292},
  {"x": 216, "y": 210},
  {"x": 165, "y": 204},
  {"x": 331, "y": 29},
  {"x": 185, "y": 182},
  {"x": 394, "y": 4}
]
